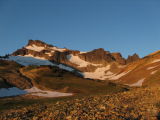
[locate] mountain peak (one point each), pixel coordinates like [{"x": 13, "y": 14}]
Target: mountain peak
[
  {"x": 38, "y": 43},
  {"x": 100, "y": 50},
  {"x": 133, "y": 58}
]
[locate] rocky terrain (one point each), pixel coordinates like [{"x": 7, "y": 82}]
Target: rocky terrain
[{"x": 137, "y": 104}]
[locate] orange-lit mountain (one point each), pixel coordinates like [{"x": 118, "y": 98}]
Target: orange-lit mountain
[{"x": 95, "y": 64}]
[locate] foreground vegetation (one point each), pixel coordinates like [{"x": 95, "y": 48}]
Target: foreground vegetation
[{"x": 137, "y": 104}]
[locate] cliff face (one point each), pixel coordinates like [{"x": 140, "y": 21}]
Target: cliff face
[{"x": 97, "y": 56}]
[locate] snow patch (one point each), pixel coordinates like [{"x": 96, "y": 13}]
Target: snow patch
[
  {"x": 58, "y": 49},
  {"x": 65, "y": 67},
  {"x": 35, "y": 48},
  {"x": 99, "y": 73},
  {"x": 149, "y": 68},
  {"x": 39, "y": 49},
  {"x": 38, "y": 92},
  {"x": 137, "y": 84},
  {"x": 156, "y": 60},
  {"x": 14, "y": 91},
  {"x": 30, "y": 60},
  {"x": 49, "y": 54},
  {"x": 29, "y": 55},
  {"x": 78, "y": 61},
  {"x": 153, "y": 72},
  {"x": 6, "y": 92},
  {"x": 117, "y": 76},
  {"x": 109, "y": 73},
  {"x": 82, "y": 52}
]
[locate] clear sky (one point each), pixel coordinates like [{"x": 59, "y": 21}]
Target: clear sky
[{"x": 125, "y": 26}]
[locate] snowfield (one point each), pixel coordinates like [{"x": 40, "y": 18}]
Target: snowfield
[
  {"x": 14, "y": 91},
  {"x": 156, "y": 60},
  {"x": 57, "y": 49},
  {"x": 149, "y": 68},
  {"x": 78, "y": 61},
  {"x": 39, "y": 49},
  {"x": 99, "y": 73},
  {"x": 4, "y": 92},
  {"x": 137, "y": 84},
  {"x": 35, "y": 48},
  {"x": 82, "y": 52},
  {"x": 117, "y": 76},
  {"x": 37, "y": 92},
  {"x": 103, "y": 73},
  {"x": 30, "y": 60},
  {"x": 153, "y": 72}
]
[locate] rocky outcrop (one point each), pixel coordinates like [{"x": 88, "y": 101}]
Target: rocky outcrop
[
  {"x": 97, "y": 56},
  {"x": 27, "y": 52},
  {"x": 132, "y": 58},
  {"x": 60, "y": 57},
  {"x": 38, "y": 43},
  {"x": 118, "y": 58}
]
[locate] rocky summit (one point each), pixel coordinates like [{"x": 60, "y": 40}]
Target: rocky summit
[{"x": 37, "y": 48}]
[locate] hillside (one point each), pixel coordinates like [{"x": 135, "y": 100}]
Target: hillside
[
  {"x": 10, "y": 75},
  {"x": 144, "y": 72},
  {"x": 48, "y": 81},
  {"x": 61, "y": 80}
]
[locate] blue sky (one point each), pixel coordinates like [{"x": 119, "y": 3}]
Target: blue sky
[{"x": 126, "y": 26}]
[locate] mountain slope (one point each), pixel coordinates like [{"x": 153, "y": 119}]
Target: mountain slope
[
  {"x": 10, "y": 75},
  {"x": 143, "y": 72},
  {"x": 53, "y": 78},
  {"x": 86, "y": 62},
  {"x": 48, "y": 81},
  {"x": 95, "y": 64}
]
